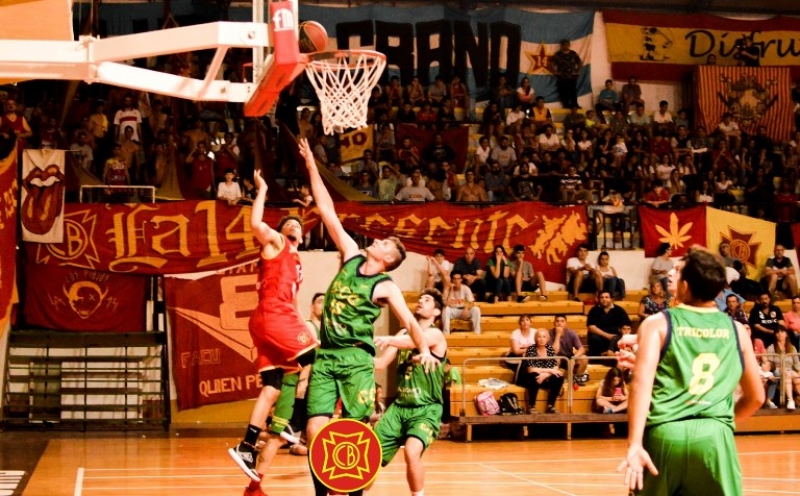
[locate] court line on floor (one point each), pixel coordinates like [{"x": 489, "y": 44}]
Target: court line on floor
[
  {"x": 79, "y": 482},
  {"x": 511, "y": 474}
]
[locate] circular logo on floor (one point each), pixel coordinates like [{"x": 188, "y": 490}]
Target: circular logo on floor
[{"x": 345, "y": 455}]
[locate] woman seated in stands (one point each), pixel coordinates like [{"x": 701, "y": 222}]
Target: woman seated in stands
[
  {"x": 611, "y": 282},
  {"x": 705, "y": 194},
  {"x": 786, "y": 366},
  {"x": 662, "y": 265},
  {"x": 521, "y": 339},
  {"x": 541, "y": 372},
  {"x": 612, "y": 394},
  {"x": 497, "y": 277},
  {"x": 654, "y": 302},
  {"x": 722, "y": 189}
]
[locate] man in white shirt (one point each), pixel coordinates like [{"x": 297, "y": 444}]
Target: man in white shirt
[
  {"x": 460, "y": 304},
  {"x": 128, "y": 116},
  {"x": 548, "y": 141},
  {"x": 504, "y": 154},
  {"x": 415, "y": 192},
  {"x": 582, "y": 276},
  {"x": 481, "y": 153},
  {"x": 730, "y": 128},
  {"x": 229, "y": 189}
]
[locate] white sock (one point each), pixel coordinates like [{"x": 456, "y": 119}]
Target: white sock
[{"x": 418, "y": 493}]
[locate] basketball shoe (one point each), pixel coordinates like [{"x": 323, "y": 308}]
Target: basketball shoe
[{"x": 245, "y": 456}]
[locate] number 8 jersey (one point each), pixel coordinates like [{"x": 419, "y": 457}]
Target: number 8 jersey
[{"x": 700, "y": 366}]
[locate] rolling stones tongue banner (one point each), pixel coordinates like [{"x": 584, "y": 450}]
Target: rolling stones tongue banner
[
  {"x": 43, "y": 184},
  {"x": 69, "y": 299}
]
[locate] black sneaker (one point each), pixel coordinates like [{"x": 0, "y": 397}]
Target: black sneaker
[
  {"x": 245, "y": 456},
  {"x": 582, "y": 379}
]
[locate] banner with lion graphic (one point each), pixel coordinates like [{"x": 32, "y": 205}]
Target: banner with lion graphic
[
  {"x": 70, "y": 299},
  {"x": 43, "y": 185},
  {"x": 756, "y": 96}
]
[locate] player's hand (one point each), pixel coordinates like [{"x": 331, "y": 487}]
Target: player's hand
[
  {"x": 259, "y": 181},
  {"x": 428, "y": 361},
  {"x": 626, "y": 359},
  {"x": 634, "y": 464},
  {"x": 307, "y": 153},
  {"x": 382, "y": 342}
]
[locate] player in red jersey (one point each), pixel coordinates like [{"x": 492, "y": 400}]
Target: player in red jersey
[{"x": 279, "y": 334}]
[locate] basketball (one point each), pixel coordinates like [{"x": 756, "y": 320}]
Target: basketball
[{"x": 313, "y": 37}]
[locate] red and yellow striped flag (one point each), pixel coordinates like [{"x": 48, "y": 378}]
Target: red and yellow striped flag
[{"x": 754, "y": 95}]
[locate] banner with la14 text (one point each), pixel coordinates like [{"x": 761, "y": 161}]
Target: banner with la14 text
[{"x": 197, "y": 236}]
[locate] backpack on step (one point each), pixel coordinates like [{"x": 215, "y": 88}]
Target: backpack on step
[
  {"x": 509, "y": 404},
  {"x": 486, "y": 404}
]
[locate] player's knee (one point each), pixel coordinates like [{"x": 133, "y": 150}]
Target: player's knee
[{"x": 272, "y": 378}]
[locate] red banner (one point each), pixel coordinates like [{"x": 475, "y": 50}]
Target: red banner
[
  {"x": 213, "y": 358},
  {"x": 194, "y": 236},
  {"x": 756, "y": 96},
  {"x": 8, "y": 234},
  {"x": 68, "y": 299},
  {"x": 679, "y": 228}
]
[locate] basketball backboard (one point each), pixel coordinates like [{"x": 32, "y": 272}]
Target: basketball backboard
[{"x": 276, "y": 59}]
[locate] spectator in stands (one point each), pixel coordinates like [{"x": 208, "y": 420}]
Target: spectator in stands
[
  {"x": 438, "y": 270},
  {"x": 365, "y": 185},
  {"x": 662, "y": 264},
  {"x": 548, "y": 141},
  {"x": 612, "y": 283},
  {"x": 582, "y": 276},
  {"x": 658, "y": 195},
  {"x": 98, "y": 126},
  {"x": 386, "y": 186},
  {"x": 472, "y": 273},
  {"x": 128, "y": 115},
  {"x": 460, "y": 304},
  {"x": 748, "y": 54},
  {"x": 522, "y": 274},
  {"x": 394, "y": 93},
  {"x": 779, "y": 273},
  {"x": 655, "y": 301},
  {"x": 503, "y": 95},
  {"x": 734, "y": 308},
  {"x": 131, "y": 152},
  {"x": 446, "y": 115},
  {"x": 504, "y": 154},
  {"x": 437, "y": 92},
  {"x": 496, "y": 181},
  {"x": 515, "y": 119},
  {"x": 540, "y": 115},
  {"x": 722, "y": 189},
  {"x": 641, "y": 121},
  {"x": 115, "y": 171},
  {"x": 82, "y": 153},
  {"x": 523, "y": 186},
  {"x": 201, "y": 167},
  {"x": 408, "y": 155},
  {"x": 377, "y": 105},
  {"x": 729, "y": 129},
  {"x": 406, "y": 114},
  {"x": 765, "y": 319},
  {"x": 521, "y": 339},
  {"x": 541, "y": 372},
  {"x": 566, "y": 66},
  {"x": 415, "y": 192},
  {"x": 604, "y": 323},
  {"x": 568, "y": 184},
  {"x": 436, "y": 182},
  {"x": 497, "y": 277},
  {"x": 458, "y": 93},
  {"x": 792, "y": 319},
  {"x": 612, "y": 393},
  {"x": 575, "y": 120},
  {"x": 481, "y": 156},
  {"x": 631, "y": 95},
  {"x": 439, "y": 151},
  {"x": 426, "y": 117},
  {"x": 567, "y": 343},
  {"x": 770, "y": 382},
  {"x": 607, "y": 100},
  {"x": 384, "y": 140},
  {"x": 471, "y": 191},
  {"x": 662, "y": 118},
  {"x": 415, "y": 93},
  {"x": 785, "y": 364},
  {"x": 229, "y": 190},
  {"x": 525, "y": 95},
  {"x": 492, "y": 121}
]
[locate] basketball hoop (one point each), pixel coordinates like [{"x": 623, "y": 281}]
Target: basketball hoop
[{"x": 343, "y": 81}]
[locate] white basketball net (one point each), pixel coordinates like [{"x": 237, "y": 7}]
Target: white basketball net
[{"x": 343, "y": 81}]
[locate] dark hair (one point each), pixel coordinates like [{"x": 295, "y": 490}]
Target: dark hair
[
  {"x": 605, "y": 291},
  {"x": 603, "y": 253},
  {"x": 662, "y": 248},
  {"x": 230, "y": 170},
  {"x": 519, "y": 248},
  {"x": 401, "y": 251},
  {"x": 704, "y": 272},
  {"x": 438, "y": 251},
  {"x": 436, "y": 295},
  {"x": 456, "y": 273},
  {"x": 608, "y": 381},
  {"x": 560, "y": 315},
  {"x": 582, "y": 246},
  {"x": 287, "y": 219},
  {"x": 316, "y": 295}
]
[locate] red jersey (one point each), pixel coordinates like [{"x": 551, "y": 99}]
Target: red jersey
[{"x": 279, "y": 278}]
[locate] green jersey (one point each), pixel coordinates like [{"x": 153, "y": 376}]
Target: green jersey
[
  {"x": 414, "y": 386},
  {"x": 700, "y": 366},
  {"x": 348, "y": 311}
]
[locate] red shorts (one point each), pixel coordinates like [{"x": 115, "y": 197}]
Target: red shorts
[{"x": 279, "y": 337}]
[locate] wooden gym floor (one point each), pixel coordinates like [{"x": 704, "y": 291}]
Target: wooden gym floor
[{"x": 186, "y": 464}]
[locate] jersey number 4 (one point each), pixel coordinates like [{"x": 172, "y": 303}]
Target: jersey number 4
[{"x": 703, "y": 368}]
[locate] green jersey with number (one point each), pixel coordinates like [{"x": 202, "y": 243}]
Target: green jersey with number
[
  {"x": 348, "y": 312},
  {"x": 415, "y": 387},
  {"x": 701, "y": 364}
]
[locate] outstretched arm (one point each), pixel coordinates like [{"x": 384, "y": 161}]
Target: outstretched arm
[
  {"x": 263, "y": 233},
  {"x": 347, "y": 246},
  {"x": 389, "y": 292}
]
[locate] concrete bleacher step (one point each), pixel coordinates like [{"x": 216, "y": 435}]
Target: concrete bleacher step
[
  {"x": 494, "y": 339},
  {"x": 530, "y": 308}
]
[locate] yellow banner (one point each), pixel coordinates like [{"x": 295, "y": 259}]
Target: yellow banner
[
  {"x": 353, "y": 144},
  {"x": 752, "y": 240}
]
